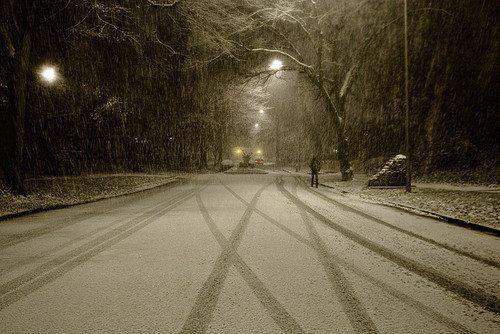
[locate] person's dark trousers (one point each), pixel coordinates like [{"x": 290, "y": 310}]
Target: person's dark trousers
[{"x": 314, "y": 179}]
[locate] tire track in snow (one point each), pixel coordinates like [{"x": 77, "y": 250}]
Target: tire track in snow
[
  {"x": 79, "y": 218},
  {"x": 356, "y": 313},
  {"x": 40, "y": 255},
  {"x": 351, "y": 209},
  {"x": 398, "y": 295},
  {"x": 202, "y": 311},
  {"x": 464, "y": 290},
  {"x": 25, "y": 284},
  {"x": 275, "y": 309}
]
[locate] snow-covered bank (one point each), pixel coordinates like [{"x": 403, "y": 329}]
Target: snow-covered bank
[
  {"x": 55, "y": 192},
  {"x": 475, "y": 204}
]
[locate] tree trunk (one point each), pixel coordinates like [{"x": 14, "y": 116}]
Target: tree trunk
[
  {"x": 343, "y": 154},
  {"x": 202, "y": 149},
  {"x": 339, "y": 121},
  {"x": 14, "y": 136},
  {"x": 343, "y": 144},
  {"x": 220, "y": 147},
  {"x": 278, "y": 152}
]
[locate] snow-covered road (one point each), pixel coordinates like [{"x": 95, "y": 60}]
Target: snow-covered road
[{"x": 245, "y": 254}]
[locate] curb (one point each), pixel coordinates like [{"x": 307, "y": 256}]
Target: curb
[
  {"x": 425, "y": 213},
  {"x": 255, "y": 171},
  {"x": 445, "y": 218},
  {"x": 171, "y": 181}
]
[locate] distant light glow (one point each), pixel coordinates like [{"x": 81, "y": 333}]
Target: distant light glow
[
  {"x": 238, "y": 151},
  {"x": 48, "y": 74},
  {"x": 276, "y": 65},
  {"x": 259, "y": 152},
  {"x": 256, "y": 125},
  {"x": 261, "y": 111}
]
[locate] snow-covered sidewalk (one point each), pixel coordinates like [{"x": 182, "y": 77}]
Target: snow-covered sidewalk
[
  {"x": 56, "y": 192},
  {"x": 471, "y": 203}
]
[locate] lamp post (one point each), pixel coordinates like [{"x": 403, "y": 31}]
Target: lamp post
[{"x": 407, "y": 102}]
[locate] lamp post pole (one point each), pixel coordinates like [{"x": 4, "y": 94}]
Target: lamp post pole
[{"x": 407, "y": 102}]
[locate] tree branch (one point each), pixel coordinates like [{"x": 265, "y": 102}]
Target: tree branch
[
  {"x": 8, "y": 41},
  {"x": 348, "y": 80},
  {"x": 163, "y": 4},
  {"x": 295, "y": 60}
]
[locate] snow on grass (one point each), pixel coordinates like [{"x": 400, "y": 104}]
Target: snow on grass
[
  {"x": 54, "y": 191},
  {"x": 470, "y": 203},
  {"x": 476, "y": 207}
]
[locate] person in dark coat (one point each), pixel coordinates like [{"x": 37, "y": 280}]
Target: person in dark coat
[{"x": 315, "y": 166}]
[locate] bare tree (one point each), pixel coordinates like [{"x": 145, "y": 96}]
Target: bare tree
[
  {"x": 16, "y": 24},
  {"x": 298, "y": 30}
]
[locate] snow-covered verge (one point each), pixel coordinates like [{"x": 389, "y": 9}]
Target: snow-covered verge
[
  {"x": 478, "y": 205},
  {"x": 245, "y": 170},
  {"x": 53, "y": 192}
]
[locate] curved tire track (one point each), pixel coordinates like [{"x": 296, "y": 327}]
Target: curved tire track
[
  {"x": 40, "y": 255},
  {"x": 356, "y": 313},
  {"x": 23, "y": 285},
  {"x": 202, "y": 311},
  {"x": 275, "y": 309},
  {"x": 79, "y": 218},
  {"x": 470, "y": 293},
  {"x": 422, "y": 308},
  {"x": 351, "y": 209}
]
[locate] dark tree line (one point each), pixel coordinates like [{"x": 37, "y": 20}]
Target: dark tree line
[
  {"x": 121, "y": 94},
  {"x": 454, "y": 49},
  {"x": 453, "y": 70},
  {"x": 168, "y": 84}
]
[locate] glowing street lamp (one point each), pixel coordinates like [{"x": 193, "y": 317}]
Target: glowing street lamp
[
  {"x": 276, "y": 65},
  {"x": 256, "y": 125},
  {"x": 238, "y": 151},
  {"x": 48, "y": 74},
  {"x": 259, "y": 152}
]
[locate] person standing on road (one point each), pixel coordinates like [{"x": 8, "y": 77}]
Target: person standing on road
[{"x": 315, "y": 166}]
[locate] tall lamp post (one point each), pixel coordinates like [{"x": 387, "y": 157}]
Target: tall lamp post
[{"x": 407, "y": 102}]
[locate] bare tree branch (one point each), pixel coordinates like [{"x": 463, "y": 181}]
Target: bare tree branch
[
  {"x": 163, "y": 4},
  {"x": 8, "y": 41},
  {"x": 298, "y": 62},
  {"x": 348, "y": 80}
]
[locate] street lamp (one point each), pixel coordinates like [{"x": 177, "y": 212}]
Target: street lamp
[
  {"x": 276, "y": 65},
  {"x": 259, "y": 152},
  {"x": 48, "y": 73}
]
